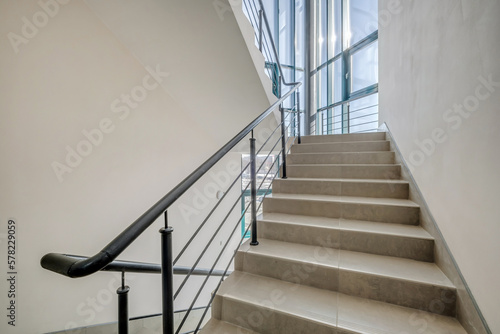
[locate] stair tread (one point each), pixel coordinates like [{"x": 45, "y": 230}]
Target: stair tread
[
  {"x": 347, "y": 199},
  {"x": 294, "y": 178},
  {"x": 330, "y": 308},
  {"x": 342, "y": 165},
  {"x": 328, "y": 153},
  {"x": 409, "y": 231},
  {"x": 378, "y": 265},
  {"x": 215, "y": 326},
  {"x": 345, "y": 142},
  {"x": 347, "y": 135}
]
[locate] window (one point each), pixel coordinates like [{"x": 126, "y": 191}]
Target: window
[
  {"x": 364, "y": 67},
  {"x": 346, "y": 65}
]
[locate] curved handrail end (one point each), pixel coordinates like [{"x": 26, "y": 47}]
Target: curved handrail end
[
  {"x": 58, "y": 263},
  {"x": 74, "y": 267}
]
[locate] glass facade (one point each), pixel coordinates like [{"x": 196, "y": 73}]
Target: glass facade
[
  {"x": 345, "y": 66},
  {"x": 344, "y": 59}
]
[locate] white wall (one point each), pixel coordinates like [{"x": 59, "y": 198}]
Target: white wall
[
  {"x": 75, "y": 72},
  {"x": 436, "y": 59},
  {"x": 202, "y": 48}
]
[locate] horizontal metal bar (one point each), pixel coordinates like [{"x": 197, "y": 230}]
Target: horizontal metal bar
[
  {"x": 352, "y": 98},
  {"x": 147, "y": 268},
  {"x": 373, "y": 129},
  {"x": 178, "y": 270},
  {"x": 363, "y": 116},
  {"x": 353, "y": 111},
  {"x": 353, "y": 125}
]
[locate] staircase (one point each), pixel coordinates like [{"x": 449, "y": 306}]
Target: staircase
[{"x": 341, "y": 251}]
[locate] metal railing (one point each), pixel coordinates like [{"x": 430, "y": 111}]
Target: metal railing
[
  {"x": 353, "y": 116},
  {"x": 80, "y": 266}
]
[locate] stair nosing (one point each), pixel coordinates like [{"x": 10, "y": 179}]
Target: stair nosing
[
  {"x": 348, "y": 152},
  {"x": 325, "y": 179},
  {"x": 346, "y": 142},
  {"x": 344, "y": 165}
]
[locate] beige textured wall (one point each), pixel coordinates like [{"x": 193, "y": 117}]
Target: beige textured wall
[
  {"x": 440, "y": 96},
  {"x": 87, "y": 95}
]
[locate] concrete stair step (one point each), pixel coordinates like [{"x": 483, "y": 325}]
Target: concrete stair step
[
  {"x": 355, "y": 146},
  {"x": 270, "y": 306},
  {"x": 393, "y": 280},
  {"x": 381, "y": 157},
  {"x": 343, "y": 187},
  {"x": 386, "y": 210},
  {"x": 215, "y": 326},
  {"x": 348, "y": 171},
  {"x": 405, "y": 241},
  {"x": 348, "y": 137}
]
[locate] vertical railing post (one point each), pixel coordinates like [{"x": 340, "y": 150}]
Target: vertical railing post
[
  {"x": 253, "y": 191},
  {"x": 283, "y": 143},
  {"x": 298, "y": 115},
  {"x": 348, "y": 118},
  {"x": 261, "y": 29},
  {"x": 167, "y": 278},
  {"x": 123, "y": 306},
  {"x": 283, "y": 138}
]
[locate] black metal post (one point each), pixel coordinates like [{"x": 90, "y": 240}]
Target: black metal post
[
  {"x": 123, "y": 306},
  {"x": 309, "y": 46},
  {"x": 283, "y": 143},
  {"x": 283, "y": 138},
  {"x": 298, "y": 115},
  {"x": 261, "y": 29},
  {"x": 253, "y": 191},
  {"x": 167, "y": 278}
]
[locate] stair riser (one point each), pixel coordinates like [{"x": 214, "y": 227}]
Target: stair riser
[
  {"x": 341, "y": 188},
  {"x": 351, "y": 137},
  {"x": 342, "y": 158},
  {"x": 290, "y": 271},
  {"x": 389, "y": 245},
  {"x": 370, "y": 146},
  {"x": 386, "y": 289},
  {"x": 265, "y": 318},
  {"x": 355, "y": 211},
  {"x": 390, "y": 290},
  {"x": 380, "y": 244},
  {"x": 382, "y": 172}
]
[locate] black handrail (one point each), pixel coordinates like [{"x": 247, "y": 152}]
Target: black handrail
[{"x": 76, "y": 267}]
